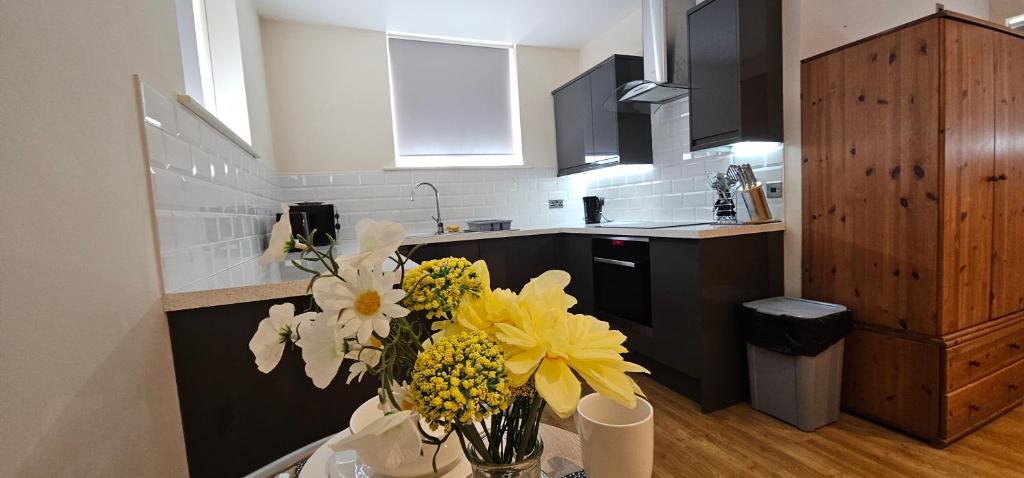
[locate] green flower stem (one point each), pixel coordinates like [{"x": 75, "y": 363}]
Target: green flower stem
[
  {"x": 529, "y": 438},
  {"x": 470, "y": 433}
]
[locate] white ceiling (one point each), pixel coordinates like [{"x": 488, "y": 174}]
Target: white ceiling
[{"x": 552, "y": 23}]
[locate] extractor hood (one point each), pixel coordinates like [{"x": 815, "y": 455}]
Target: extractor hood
[{"x": 666, "y": 73}]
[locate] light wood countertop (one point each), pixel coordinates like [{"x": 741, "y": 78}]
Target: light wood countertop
[{"x": 251, "y": 282}]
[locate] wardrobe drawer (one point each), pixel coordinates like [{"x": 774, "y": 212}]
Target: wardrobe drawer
[
  {"x": 973, "y": 360},
  {"x": 983, "y": 399}
]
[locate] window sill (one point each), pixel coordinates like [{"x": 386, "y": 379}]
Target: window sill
[{"x": 194, "y": 106}]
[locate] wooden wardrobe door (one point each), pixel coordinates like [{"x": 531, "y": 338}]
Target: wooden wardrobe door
[
  {"x": 969, "y": 166},
  {"x": 1008, "y": 235},
  {"x": 871, "y": 178}
]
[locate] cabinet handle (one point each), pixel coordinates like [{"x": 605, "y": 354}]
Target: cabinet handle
[
  {"x": 615, "y": 262},
  {"x": 1012, "y": 386},
  {"x": 974, "y": 408},
  {"x": 1002, "y": 177},
  {"x": 1015, "y": 346},
  {"x": 992, "y": 179},
  {"x": 974, "y": 363}
]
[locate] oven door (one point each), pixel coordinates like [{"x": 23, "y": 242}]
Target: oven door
[{"x": 622, "y": 287}]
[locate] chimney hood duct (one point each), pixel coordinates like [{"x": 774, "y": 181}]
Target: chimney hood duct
[{"x": 666, "y": 56}]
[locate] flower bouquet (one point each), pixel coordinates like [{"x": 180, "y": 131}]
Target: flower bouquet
[{"x": 454, "y": 357}]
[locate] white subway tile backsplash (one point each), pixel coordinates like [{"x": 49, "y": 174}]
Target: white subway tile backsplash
[
  {"x": 188, "y": 125},
  {"x": 158, "y": 109},
  {"x": 214, "y": 202},
  {"x": 371, "y": 178},
  {"x": 176, "y": 153}
]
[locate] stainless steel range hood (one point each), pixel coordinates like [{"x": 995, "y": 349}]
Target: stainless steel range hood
[{"x": 666, "y": 69}]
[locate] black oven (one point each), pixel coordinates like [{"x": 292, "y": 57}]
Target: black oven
[{"x": 622, "y": 280}]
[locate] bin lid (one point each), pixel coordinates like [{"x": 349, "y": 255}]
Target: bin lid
[{"x": 793, "y": 307}]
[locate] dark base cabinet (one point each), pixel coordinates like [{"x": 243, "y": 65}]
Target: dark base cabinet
[
  {"x": 235, "y": 418},
  {"x": 697, "y": 288},
  {"x": 511, "y": 261},
  {"x": 575, "y": 256}
]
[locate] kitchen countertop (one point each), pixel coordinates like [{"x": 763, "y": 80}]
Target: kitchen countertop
[{"x": 251, "y": 282}]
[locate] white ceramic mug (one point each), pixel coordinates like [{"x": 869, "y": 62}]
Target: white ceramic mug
[{"x": 617, "y": 441}]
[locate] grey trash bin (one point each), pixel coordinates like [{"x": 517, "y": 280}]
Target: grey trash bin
[{"x": 795, "y": 359}]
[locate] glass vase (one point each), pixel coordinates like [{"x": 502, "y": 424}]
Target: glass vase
[{"x": 528, "y": 467}]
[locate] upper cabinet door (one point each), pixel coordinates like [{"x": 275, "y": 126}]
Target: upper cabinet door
[
  {"x": 604, "y": 107},
  {"x": 714, "y": 71},
  {"x": 1008, "y": 253},
  {"x": 573, "y": 129},
  {"x": 969, "y": 170}
]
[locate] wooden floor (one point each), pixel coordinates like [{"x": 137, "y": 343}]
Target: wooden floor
[{"x": 739, "y": 441}]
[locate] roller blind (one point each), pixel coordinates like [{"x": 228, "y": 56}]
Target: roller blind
[{"x": 450, "y": 99}]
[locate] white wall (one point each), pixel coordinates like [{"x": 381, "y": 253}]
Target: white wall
[
  {"x": 1000, "y": 10},
  {"x": 329, "y": 97},
  {"x": 826, "y": 24},
  {"x": 87, "y": 380},
  {"x": 541, "y": 70},
  {"x": 255, "y": 82},
  {"x": 330, "y": 100},
  {"x": 792, "y": 189},
  {"x": 624, "y": 38}
]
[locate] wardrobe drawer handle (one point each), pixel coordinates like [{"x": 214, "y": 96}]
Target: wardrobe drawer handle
[
  {"x": 975, "y": 408},
  {"x": 1015, "y": 346},
  {"x": 1012, "y": 386},
  {"x": 974, "y": 363}
]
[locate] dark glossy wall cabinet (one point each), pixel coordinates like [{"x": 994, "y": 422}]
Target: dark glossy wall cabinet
[
  {"x": 593, "y": 130},
  {"x": 735, "y": 72}
]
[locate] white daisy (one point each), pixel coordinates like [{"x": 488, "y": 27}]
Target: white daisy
[
  {"x": 364, "y": 302},
  {"x": 268, "y": 342},
  {"x": 377, "y": 240},
  {"x": 366, "y": 357},
  {"x": 281, "y": 240},
  {"x": 400, "y": 391}
]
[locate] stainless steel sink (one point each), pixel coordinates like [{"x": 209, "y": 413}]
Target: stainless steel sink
[{"x": 460, "y": 233}]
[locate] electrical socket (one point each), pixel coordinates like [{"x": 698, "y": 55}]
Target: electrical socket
[
  {"x": 555, "y": 204},
  {"x": 773, "y": 190}
]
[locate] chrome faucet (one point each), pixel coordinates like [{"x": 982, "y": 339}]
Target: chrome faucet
[{"x": 437, "y": 203}]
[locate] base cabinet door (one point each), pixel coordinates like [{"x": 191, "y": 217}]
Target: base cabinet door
[
  {"x": 575, "y": 256},
  {"x": 513, "y": 261},
  {"x": 676, "y": 305}
]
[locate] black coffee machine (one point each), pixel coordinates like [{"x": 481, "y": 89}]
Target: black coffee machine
[{"x": 592, "y": 206}]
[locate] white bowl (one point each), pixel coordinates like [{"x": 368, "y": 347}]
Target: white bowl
[{"x": 447, "y": 458}]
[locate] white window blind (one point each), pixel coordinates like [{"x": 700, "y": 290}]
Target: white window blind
[{"x": 453, "y": 104}]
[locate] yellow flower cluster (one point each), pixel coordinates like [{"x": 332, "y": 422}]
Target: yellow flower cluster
[
  {"x": 460, "y": 379},
  {"x": 438, "y": 286},
  {"x": 546, "y": 346}
]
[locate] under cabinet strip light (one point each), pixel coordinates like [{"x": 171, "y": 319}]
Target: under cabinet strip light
[{"x": 1016, "y": 22}]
